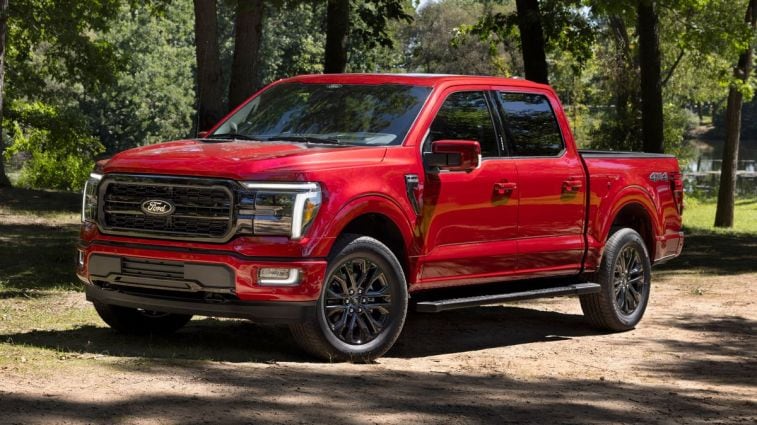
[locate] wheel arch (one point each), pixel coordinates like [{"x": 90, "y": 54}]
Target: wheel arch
[
  {"x": 377, "y": 217},
  {"x": 634, "y": 215}
]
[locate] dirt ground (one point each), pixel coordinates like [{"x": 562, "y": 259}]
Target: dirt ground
[{"x": 692, "y": 360}]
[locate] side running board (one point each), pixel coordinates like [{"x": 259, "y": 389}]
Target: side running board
[{"x": 455, "y": 303}]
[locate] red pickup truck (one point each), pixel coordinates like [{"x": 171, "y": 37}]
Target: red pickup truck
[{"x": 334, "y": 203}]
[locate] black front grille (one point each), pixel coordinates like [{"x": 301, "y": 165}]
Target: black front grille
[{"x": 203, "y": 209}]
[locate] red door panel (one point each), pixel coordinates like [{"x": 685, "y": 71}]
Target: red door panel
[
  {"x": 552, "y": 196},
  {"x": 470, "y": 221}
]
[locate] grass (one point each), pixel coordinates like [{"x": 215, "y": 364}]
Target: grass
[
  {"x": 699, "y": 216},
  {"x": 38, "y": 231}
]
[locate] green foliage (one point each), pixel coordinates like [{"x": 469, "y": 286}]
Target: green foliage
[
  {"x": 61, "y": 152},
  {"x": 436, "y": 43},
  {"x": 152, "y": 98},
  {"x": 293, "y": 41},
  {"x": 566, "y": 26},
  {"x": 53, "y": 55},
  {"x": 372, "y": 29},
  {"x": 114, "y": 74},
  {"x": 52, "y": 42},
  {"x": 294, "y": 38}
]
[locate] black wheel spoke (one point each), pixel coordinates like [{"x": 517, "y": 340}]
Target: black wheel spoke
[
  {"x": 332, "y": 296},
  {"x": 381, "y": 307},
  {"x": 351, "y": 283},
  {"x": 342, "y": 284},
  {"x": 364, "y": 331},
  {"x": 338, "y": 326},
  {"x": 332, "y": 309},
  {"x": 351, "y": 327},
  {"x": 372, "y": 323}
]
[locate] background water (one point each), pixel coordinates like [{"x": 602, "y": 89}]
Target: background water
[{"x": 702, "y": 173}]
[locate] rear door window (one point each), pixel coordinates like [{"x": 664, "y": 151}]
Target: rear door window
[{"x": 530, "y": 125}]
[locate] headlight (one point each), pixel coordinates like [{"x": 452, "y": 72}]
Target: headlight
[
  {"x": 89, "y": 198},
  {"x": 282, "y": 208}
]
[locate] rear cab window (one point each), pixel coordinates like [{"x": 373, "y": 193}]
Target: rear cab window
[{"x": 530, "y": 125}]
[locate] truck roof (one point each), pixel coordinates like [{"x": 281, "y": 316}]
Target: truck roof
[{"x": 430, "y": 80}]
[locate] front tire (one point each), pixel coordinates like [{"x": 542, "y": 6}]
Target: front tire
[
  {"x": 625, "y": 276},
  {"x": 362, "y": 306},
  {"x": 140, "y": 322}
]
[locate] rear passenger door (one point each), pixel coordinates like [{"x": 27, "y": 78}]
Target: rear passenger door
[{"x": 551, "y": 183}]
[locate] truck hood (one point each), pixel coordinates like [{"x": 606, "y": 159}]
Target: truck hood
[{"x": 241, "y": 160}]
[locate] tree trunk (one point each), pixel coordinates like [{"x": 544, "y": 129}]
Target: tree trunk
[
  {"x": 625, "y": 72},
  {"x": 337, "y": 31},
  {"x": 727, "y": 190},
  {"x": 651, "y": 86},
  {"x": 4, "y": 182},
  {"x": 532, "y": 41},
  {"x": 248, "y": 29},
  {"x": 210, "y": 107}
]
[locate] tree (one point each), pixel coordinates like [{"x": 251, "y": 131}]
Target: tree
[
  {"x": 149, "y": 101},
  {"x": 542, "y": 27},
  {"x": 435, "y": 44},
  {"x": 210, "y": 108},
  {"x": 4, "y": 182},
  {"x": 337, "y": 31},
  {"x": 358, "y": 25},
  {"x": 742, "y": 73},
  {"x": 532, "y": 41},
  {"x": 652, "y": 123},
  {"x": 248, "y": 29},
  {"x": 293, "y": 40},
  {"x": 52, "y": 58}
]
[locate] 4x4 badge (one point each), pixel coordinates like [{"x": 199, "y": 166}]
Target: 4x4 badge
[{"x": 157, "y": 207}]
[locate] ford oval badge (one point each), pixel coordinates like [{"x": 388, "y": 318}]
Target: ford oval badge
[{"x": 157, "y": 207}]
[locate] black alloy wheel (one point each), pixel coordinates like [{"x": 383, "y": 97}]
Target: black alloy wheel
[
  {"x": 358, "y": 301},
  {"x": 363, "y": 303},
  {"x": 625, "y": 277}
]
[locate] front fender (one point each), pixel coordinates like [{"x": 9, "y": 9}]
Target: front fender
[{"x": 369, "y": 204}]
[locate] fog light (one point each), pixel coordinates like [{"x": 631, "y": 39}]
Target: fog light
[{"x": 278, "y": 276}]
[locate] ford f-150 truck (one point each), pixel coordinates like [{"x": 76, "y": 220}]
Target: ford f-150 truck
[{"x": 334, "y": 203}]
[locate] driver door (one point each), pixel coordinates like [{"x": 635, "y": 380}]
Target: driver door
[{"x": 469, "y": 218}]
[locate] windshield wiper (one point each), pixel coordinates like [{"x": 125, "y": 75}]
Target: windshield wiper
[
  {"x": 306, "y": 139},
  {"x": 230, "y": 136}
]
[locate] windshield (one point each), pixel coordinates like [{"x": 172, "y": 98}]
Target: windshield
[{"x": 357, "y": 114}]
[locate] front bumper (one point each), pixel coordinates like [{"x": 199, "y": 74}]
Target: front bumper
[
  {"x": 262, "y": 312},
  {"x": 191, "y": 280}
]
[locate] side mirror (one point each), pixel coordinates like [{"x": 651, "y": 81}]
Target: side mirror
[
  {"x": 454, "y": 155},
  {"x": 202, "y": 134}
]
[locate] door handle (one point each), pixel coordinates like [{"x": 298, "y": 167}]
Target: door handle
[
  {"x": 572, "y": 184},
  {"x": 504, "y": 188}
]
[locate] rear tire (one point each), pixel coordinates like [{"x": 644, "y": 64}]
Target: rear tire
[
  {"x": 362, "y": 306},
  {"x": 140, "y": 322},
  {"x": 625, "y": 276}
]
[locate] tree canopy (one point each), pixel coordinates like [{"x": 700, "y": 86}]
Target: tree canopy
[{"x": 90, "y": 78}]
